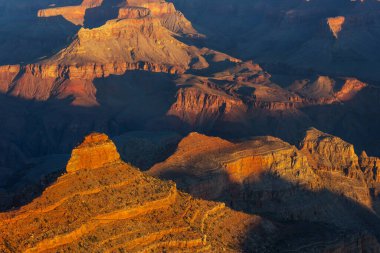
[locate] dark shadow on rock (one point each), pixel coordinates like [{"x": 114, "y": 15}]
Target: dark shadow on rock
[
  {"x": 136, "y": 101},
  {"x": 306, "y": 220},
  {"x": 356, "y": 121},
  {"x": 143, "y": 149},
  {"x": 98, "y": 16},
  {"x": 33, "y": 39}
]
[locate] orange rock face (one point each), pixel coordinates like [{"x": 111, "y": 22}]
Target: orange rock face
[
  {"x": 268, "y": 175},
  {"x": 74, "y": 14},
  {"x": 133, "y": 12},
  {"x": 96, "y": 151},
  {"x": 7, "y": 74},
  {"x": 350, "y": 88},
  {"x": 103, "y": 204},
  {"x": 329, "y": 152},
  {"x": 336, "y": 25}
]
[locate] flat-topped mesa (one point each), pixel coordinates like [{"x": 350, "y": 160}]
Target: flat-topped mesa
[
  {"x": 141, "y": 44},
  {"x": 96, "y": 151},
  {"x": 74, "y": 14},
  {"x": 336, "y": 25}
]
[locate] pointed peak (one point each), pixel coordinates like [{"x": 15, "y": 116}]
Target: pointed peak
[{"x": 363, "y": 155}]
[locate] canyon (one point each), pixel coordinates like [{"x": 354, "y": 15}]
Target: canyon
[
  {"x": 126, "y": 127},
  {"x": 103, "y": 203}
]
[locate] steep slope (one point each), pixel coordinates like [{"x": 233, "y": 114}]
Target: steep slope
[
  {"x": 336, "y": 162},
  {"x": 103, "y": 204}
]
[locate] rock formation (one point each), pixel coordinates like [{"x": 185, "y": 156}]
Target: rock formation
[
  {"x": 135, "y": 42},
  {"x": 105, "y": 204},
  {"x": 74, "y": 14},
  {"x": 329, "y": 152},
  {"x": 336, "y": 25},
  {"x": 102, "y": 203},
  {"x": 267, "y": 175},
  {"x": 95, "y": 152},
  {"x": 169, "y": 17},
  {"x": 350, "y": 88}
]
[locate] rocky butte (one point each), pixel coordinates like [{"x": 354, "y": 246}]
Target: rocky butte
[{"x": 322, "y": 181}]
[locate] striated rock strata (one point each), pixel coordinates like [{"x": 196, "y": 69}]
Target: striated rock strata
[
  {"x": 103, "y": 204},
  {"x": 112, "y": 49}
]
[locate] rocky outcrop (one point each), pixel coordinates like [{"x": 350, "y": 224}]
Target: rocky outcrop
[
  {"x": 139, "y": 41},
  {"x": 7, "y": 75},
  {"x": 320, "y": 91},
  {"x": 270, "y": 176},
  {"x": 74, "y": 14},
  {"x": 96, "y": 151},
  {"x": 350, "y": 88},
  {"x": 113, "y": 206},
  {"x": 336, "y": 25},
  {"x": 324, "y": 90},
  {"x": 329, "y": 152},
  {"x": 370, "y": 166},
  {"x": 133, "y": 12},
  {"x": 333, "y": 160},
  {"x": 197, "y": 108},
  {"x": 169, "y": 17},
  {"x": 211, "y": 167}
]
